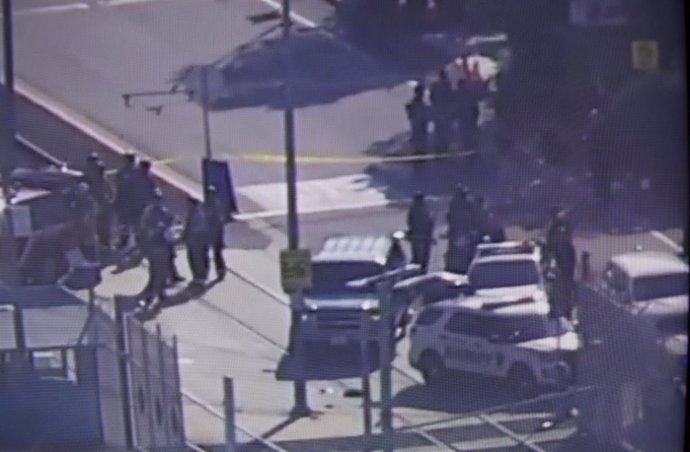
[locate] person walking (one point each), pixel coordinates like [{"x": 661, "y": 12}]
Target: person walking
[
  {"x": 420, "y": 226},
  {"x": 103, "y": 195},
  {"x": 418, "y": 116},
  {"x": 216, "y": 231},
  {"x": 196, "y": 237}
]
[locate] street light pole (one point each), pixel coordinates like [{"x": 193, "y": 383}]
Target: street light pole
[
  {"x": 300, "y": 407},
  {"x": 204, "y": 111},
  {"x": 7, "y": 159}
]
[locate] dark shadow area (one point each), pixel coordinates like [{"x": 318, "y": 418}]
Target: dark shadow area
[
  {"x": 323, "y": 70},
  {"x": 457, "y": 394},
  {"x": 316, "y": 361}
]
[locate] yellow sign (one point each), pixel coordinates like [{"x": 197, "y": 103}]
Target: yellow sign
[
  {"x": 645, "y": 55},
  {"x": 295, "y": 270}
]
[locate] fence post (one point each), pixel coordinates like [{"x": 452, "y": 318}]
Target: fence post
[
  {"x": 229, "y": 403},
  {"x": 147, "y": 374},
  {"x": 163, "y": 381},
  {"x": 122, "y": 361}
]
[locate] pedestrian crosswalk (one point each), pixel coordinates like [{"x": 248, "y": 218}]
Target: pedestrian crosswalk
[{"x": 350, "y": 192}]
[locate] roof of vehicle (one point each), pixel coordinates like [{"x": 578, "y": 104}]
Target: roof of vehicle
[
  {"x": 638, "y": 264},
  {"x": 355, "y": 248},
  {"x": 495, "y": 306},
  {"x": 505, "y": 258},
  {"x": 507, "y": 247}
]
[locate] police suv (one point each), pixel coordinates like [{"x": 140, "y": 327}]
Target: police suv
[
  {"x": 513, "y": 340},
  {"x": 508, "y": 269},
  {"x": 334, "y": 307}
]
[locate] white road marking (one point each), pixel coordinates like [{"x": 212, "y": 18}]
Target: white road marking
[
  {"x": 314, "y": 196},
  {"x": 51, "y": 9},
  {"x": 664, "y": 238}
]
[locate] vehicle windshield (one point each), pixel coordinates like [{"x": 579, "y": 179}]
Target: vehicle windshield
[
  {"x": 492, "y": 275},
  {"x": 672, "y": 325},
  {"x": 330, "y": 278},
  {"x": 653, "y": 287},
  {"x": 526, "y": 328}
]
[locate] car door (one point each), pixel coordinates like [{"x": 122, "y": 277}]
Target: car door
[{"x": 463, "y": 345}]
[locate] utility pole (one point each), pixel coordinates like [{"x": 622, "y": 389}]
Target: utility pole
[
  {"x": 300, "y": 407},
  {"x": 204, "y": 111},
  {"x": 7, "y": 134},
  {"x": 366, "y": 385}
]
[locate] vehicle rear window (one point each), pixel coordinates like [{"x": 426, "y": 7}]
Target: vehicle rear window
[
  {"x": 429, "y": 317},
  {"x": 652, "y": 287},
  {"x": 332, "y": 277},
  {"x": 491, "y": 275}
]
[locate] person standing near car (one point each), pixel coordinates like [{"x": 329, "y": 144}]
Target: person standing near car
[{"x": 420, "y": 226}]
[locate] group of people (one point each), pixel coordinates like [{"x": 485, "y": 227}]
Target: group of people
[
  {"x": 448, "y": 106},
  {"x": 469, "y": 223},
  {"x": 146, "y": 225}
]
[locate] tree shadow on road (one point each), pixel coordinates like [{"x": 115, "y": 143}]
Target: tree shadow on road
[{"x": 323, "y": 70}]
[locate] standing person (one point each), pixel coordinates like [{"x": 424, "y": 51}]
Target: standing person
[
  {"x": 459, "y": 212},
  {"x": 103, "y": 195},
  {"x": 494, "y": 229},
  {"x": 124, "y": 195},
  {"x": 214, "y": 217},
  {"x": 144, "y": 188},
  {"x": 157, "y": 213},
  {"x": 196, "y": 237},
  {"x": 157, "y": 253},
  {"x": 418, "y": 116},
  {"x": 441, "y": 97},
  {"x": 420, "y": 226}
]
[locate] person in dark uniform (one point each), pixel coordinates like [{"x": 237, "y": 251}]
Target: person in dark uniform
[
  {"x": 124, "y": 194},
  {"x": 102, "y": 194},
  {"x": 157, "y": 254},
  {"x": 441, "y": 97},
  {"x": 459, "y": 212},
  {"x": 196, "y": 238},
  {"x": 216, "y": 231},
  {"x": 157, "y": 213},
  {"x": 420, "y": 226},
  {"x": 418, "y": 116}
]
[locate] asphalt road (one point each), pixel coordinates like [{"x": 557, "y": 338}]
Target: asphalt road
[{"x": 87, "y": 54}]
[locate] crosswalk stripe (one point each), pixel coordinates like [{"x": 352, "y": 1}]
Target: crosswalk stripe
[{"x": 322, "y": 195}]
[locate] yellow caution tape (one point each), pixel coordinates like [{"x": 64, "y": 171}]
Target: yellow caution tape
[
  {"x": 317, "y": 159},
  {"x": 311, "y": 159}
]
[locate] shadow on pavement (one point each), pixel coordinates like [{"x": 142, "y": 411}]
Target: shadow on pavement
[
  {"x": 241, "y": 235},
  {"x": 458, "y": 394},
  {"x": 322, "y": 70}
]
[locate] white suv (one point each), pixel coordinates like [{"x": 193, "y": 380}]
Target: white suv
[
  {"x": 513, "y": 340},
  {"x": 508, "y": 270}
]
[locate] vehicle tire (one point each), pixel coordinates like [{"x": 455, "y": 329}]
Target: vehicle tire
[
  {"x": 522, "y": 381},
  {"x": 432, "y": 368}
]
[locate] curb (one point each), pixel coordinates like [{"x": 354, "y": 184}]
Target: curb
[{"x": 173, "y": 184}]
